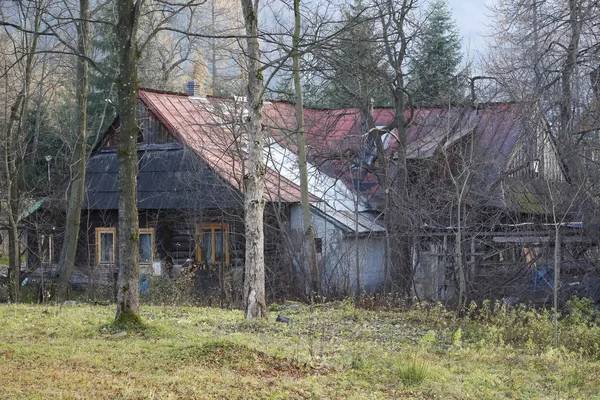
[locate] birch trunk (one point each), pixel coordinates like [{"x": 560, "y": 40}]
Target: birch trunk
[
  {"x": 128, "y": 235},
  {"x": 66, "y": 263},
  {"x": 254, "y": 203},
  {"x": 309, "y": 231}
]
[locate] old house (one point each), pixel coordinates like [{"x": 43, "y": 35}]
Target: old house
[
  {"x": 190, "y": 198},
  {"x": 486, "y": 180}
]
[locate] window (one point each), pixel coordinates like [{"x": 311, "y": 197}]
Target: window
[
  {"x": 105, "y": 245},
  {"x": 146, "y": 245},
  {"x": 318, "y": 245},
  {"x": 536, "y": 166},
  {"x": 46, "y": 248},
  {"x": 213, "y": 243}
]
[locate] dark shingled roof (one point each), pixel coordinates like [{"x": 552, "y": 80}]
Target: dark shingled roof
[{"x": 170, "y": 177}]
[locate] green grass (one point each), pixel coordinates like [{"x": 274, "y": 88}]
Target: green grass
[
  {"x": 413, "y": 373},
  {"x": 331, "y": 351}
]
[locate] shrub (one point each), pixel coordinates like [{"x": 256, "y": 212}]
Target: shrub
[
  {"x": 431, "y": 315},
  {"x": 532, "y": 329},
  {"x": 428, "y": 340}
]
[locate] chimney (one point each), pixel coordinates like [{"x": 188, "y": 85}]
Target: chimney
[{"x": 192, "y": 88}]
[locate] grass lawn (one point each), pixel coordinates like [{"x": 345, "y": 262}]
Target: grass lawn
[{"x": 326, "y": 352}]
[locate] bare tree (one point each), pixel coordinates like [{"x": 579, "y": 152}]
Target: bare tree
[
  {"x": 309, "y": 232},
  {"x": 24, "y": 45},
  {"x": 66, "y": 263},
  {"x": 397, "y": 28},
  {"x": 254, "y": 203}
]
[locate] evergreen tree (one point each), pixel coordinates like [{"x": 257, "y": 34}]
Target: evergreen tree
[
  {"x": 102, "y": 97},
  {"x": 435, "y": 78},
  {"x": 354, "y": 74}
]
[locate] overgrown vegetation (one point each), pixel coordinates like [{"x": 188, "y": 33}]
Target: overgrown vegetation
[
  {"x": 532, "y": 330},
  {"x": 331, "y": 351}
]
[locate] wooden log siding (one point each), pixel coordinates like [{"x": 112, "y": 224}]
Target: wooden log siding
[
  {"x": 151, "y": 129},
  {"x": 536, "y": 158}
]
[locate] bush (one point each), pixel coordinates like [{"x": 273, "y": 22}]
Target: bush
[
  {"x": 431, "y": 315},
  {"x": 528, "y": 328},
  {"x": 165, "y": 291}
]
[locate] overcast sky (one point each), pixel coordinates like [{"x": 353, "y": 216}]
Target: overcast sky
[{"x": 473, "y": 19}]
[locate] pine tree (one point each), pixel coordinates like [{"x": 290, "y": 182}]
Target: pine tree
[
  {"x": 354, "y": 74},
  {"x": 435, "y": 78}
]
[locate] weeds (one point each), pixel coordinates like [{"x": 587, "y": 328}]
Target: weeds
[
  {"x": 413, "y": 373},
  {"x": 495, "y": 324}
]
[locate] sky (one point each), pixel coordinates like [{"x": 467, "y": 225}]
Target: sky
[{"x": 473, "y": 20}]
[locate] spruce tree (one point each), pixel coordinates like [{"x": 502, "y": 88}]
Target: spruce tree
[
  {"x": 435, "y": 78},
  {"x": 353, "y": 74}
]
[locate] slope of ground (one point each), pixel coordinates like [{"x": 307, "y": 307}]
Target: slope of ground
[{"x": 325, "y": 352}]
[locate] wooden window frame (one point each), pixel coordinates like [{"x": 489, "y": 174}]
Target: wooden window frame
[
  {"x": 148, "y": 231},
  {"x": 212, "y": 226},
  {"x": 50, "y": 237},
  {"x": 100, "y": 231}
]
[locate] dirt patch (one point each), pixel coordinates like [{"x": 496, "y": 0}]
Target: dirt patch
[{"x": 245, "y": 360}]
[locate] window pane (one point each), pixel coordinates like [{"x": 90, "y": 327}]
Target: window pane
[
  {"x": 145, "y": 248},
  {"x": 207, "y": 245},
  {"x": 107, "y": 250},
  {"x": 219, "y": 248},
  {"x": 318, "y": 245},
  {"x": 46, "y": 248}
]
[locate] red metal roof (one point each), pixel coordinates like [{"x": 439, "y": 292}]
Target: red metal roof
[
  {"x": 333, "y": 137},
  {"x": 335, "y": 142},
  {"x": 205, "y": 126}
]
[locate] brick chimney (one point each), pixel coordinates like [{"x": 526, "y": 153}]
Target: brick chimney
[{"x": 192, "y": 88}]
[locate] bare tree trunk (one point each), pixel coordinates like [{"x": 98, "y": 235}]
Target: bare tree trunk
[
  {"x": 383, "y": 177},
  {"x": 557, "y": 259},
  {"x": 12, "y": 165},
  {"x": 213, "y": 51},
  {"x": 566, "y": 109},
  {"x": 14, "y": 259},
  {"x": 38, "y": 115},
  {"x": 460, "y": 265},
  {"x": 128, "y": 290},
  {"x": 66, "y": 263},
  {"x": 357, "y": 291},
  {"x": 393, "y": 16},
  {"x": 397, "y": 216},
  {"x": 460, "y": 189},
  {"x": 566, "y": 101},
  {"x": 309, "y": 231},
  {"x": 254, "y": 203}
]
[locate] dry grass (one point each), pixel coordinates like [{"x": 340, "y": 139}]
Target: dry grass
[{"x": 327, "y": 352}]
